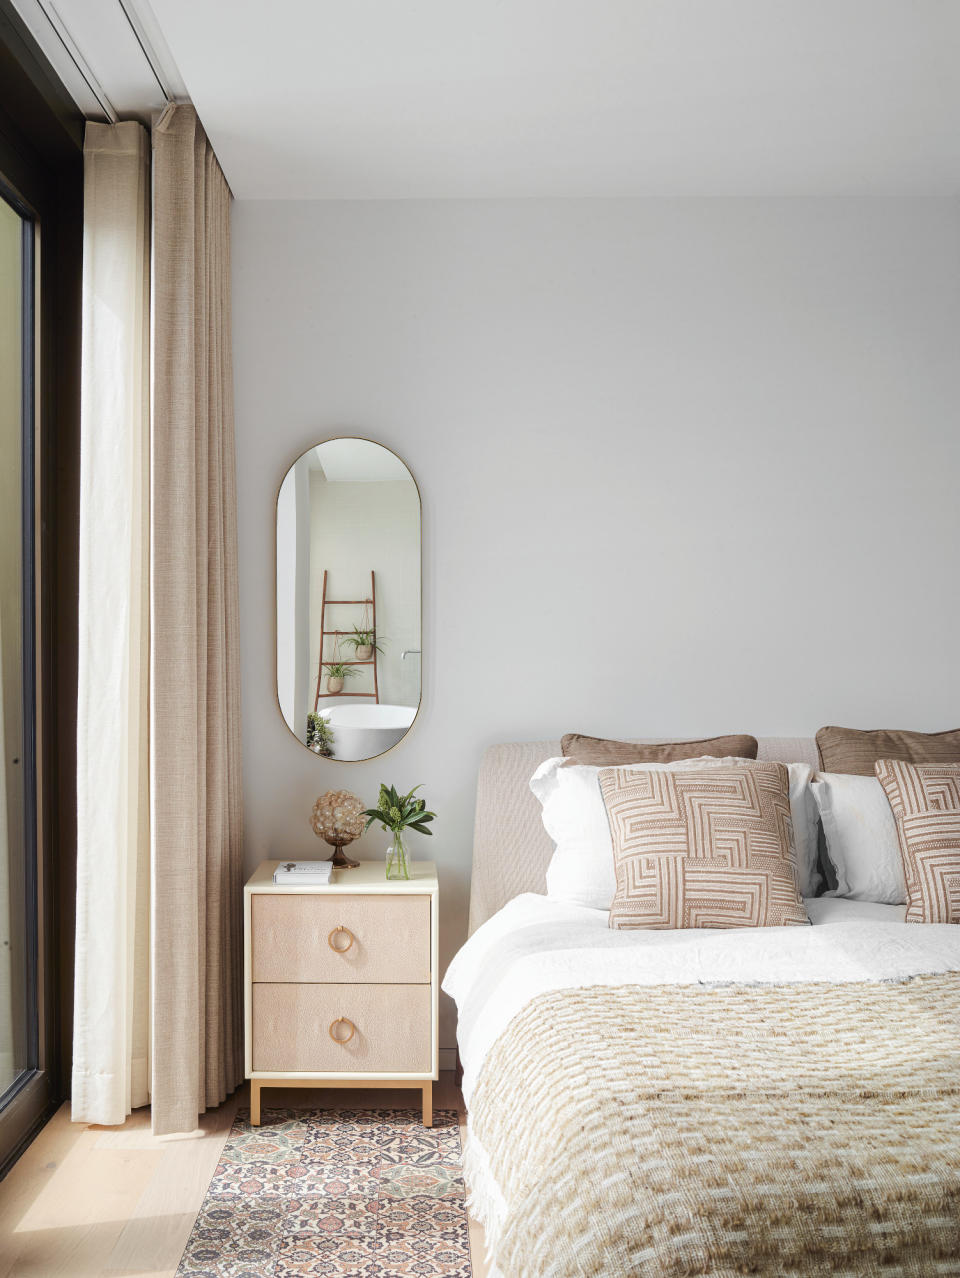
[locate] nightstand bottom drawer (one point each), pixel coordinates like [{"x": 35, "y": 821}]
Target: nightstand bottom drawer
[{"x": 330, "y": 1029}]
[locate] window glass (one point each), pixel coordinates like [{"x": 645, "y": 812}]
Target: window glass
[{"x": 14, "y": 987}]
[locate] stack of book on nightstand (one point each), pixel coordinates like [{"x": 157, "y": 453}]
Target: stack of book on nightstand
[{"x": 306, "y": 873}]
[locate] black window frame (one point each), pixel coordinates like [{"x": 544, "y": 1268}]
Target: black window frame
[{"x": 41, "y": 166}]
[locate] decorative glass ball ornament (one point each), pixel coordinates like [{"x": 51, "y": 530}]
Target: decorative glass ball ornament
[{"x": 338, "y": 819}]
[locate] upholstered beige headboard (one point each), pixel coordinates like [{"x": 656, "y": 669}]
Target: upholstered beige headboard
[{"x": 511, "y": 849}]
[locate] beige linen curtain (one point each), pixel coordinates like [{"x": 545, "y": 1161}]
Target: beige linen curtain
[
  {"x": 111, "y": 1021},
  {"x": 195, "y": 723}
]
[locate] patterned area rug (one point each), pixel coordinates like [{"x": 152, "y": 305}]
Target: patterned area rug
[{"x": 365, "y": 1193}]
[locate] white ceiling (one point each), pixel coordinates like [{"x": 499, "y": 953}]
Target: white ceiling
[
  {"x": 501, "y": 98},
  {"x": 406, "y": 98}
]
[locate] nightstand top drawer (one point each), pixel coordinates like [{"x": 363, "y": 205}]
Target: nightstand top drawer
[
  {"x": 368, "y": 876},
  {"x": 364, "y": 938}
]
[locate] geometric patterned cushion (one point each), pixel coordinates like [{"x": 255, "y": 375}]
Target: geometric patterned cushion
[
  {"x": 710, "y": 848},
  {"x": 925, "y": 801}
]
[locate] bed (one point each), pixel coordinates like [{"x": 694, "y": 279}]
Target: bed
[{"x": 717, "y": 1102}]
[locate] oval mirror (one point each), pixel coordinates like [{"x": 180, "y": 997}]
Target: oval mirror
[{"x": 348, "y": 599}]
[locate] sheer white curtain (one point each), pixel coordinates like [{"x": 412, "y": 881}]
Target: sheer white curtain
[{"x": 111, "y": 1065}]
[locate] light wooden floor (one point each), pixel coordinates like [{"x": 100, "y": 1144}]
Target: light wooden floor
[{"x": 109, "y": 1202}]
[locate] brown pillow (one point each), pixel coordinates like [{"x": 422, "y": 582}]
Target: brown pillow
[
  {"x": 925, "y": 801},
  {"x": 856, "y": 750},
  {"x": 707, "y": 847},
  {"x": 598, "y": 752}
]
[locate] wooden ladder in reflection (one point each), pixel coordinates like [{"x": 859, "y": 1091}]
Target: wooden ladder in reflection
[{"x": 370, "y": 603}]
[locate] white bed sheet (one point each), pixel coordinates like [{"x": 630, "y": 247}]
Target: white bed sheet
[{"x": 534, "y": 945}]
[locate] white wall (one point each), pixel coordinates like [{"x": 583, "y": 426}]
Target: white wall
[{"x": 686, "y": 467}]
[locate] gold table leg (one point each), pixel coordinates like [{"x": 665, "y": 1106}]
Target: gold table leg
[{"x": 428, "y": 1104}]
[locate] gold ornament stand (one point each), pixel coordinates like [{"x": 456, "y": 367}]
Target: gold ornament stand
[{"x": 340, "y": 860}]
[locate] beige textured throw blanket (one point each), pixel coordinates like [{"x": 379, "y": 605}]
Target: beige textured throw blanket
[{"x": 678, "y": 1130}]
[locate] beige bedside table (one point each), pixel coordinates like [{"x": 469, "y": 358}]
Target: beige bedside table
[{"x": 341, "y": 982}]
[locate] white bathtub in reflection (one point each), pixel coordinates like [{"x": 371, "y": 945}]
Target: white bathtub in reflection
[{"x": 360, "y": 732}]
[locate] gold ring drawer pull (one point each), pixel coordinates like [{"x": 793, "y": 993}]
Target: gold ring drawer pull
[
  {"x": 337, "y": 931},
  {"x": 342, "y": 1020}
]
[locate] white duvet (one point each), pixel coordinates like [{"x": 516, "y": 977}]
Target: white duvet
[{"x": 534, "y": 945}]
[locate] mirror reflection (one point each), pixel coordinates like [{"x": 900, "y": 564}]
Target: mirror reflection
[{"x": 348, "y": 599}]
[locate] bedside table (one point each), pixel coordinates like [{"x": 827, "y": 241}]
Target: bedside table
[{"x": 341, "y": 981}]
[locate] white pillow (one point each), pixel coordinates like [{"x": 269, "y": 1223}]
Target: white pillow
[
  {"x": 806, "y": 828},
  {"x": 861, "y": 838},
  {"x": 581, "y": 869}
]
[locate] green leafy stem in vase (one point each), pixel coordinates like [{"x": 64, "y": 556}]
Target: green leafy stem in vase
[{"x": 397, "y": 813}]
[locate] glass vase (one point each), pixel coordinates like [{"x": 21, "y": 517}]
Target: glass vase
[{"x": 397, "y": 867}]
